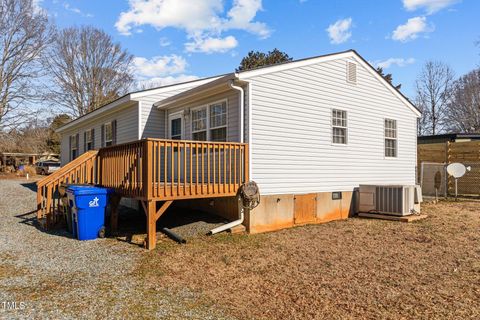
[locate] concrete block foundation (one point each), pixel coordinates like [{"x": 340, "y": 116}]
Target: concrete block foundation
[{"x": 277, "y": 212}]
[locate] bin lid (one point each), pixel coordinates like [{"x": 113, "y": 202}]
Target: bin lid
[{"x": 87, "y": 190}]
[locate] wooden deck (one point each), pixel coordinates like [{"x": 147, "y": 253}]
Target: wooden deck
[{"x": 154, "y": 171}]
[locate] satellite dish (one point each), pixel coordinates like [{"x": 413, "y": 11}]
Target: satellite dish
[{"x": 457, "y": 170}]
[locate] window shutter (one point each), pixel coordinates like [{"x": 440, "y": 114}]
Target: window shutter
[
  {"x": 102, "y": 136},
  {"x": 351, "y": 72},
  {"x": 93, "y": 138},
  {"x": 114, "y": 132},
  {"x": 78, "y": 150},
  {"x": 70, "y": 148},
  {"x": 85, "y": 141}
]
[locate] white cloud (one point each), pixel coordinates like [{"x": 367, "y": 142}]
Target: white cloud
[
  {"x": 164, "y": 42},
  {"x": 160, "y": 70},
  {"x": 411, "y": 29},
  {"x": 200, "y": 19},
  {"x": 210, "y": 45},
  {"x": 339, "y": 32},
  {"x": 401, "y": 62},
  {"x": 165, "y": 81},
  {"x": 68, "y": 7},
  {"x": 241, "y": 17},
  {"x": 431, "y": 6},
  {"x": 159, "y": 65}
]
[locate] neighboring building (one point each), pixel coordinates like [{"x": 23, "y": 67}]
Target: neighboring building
[
  {"x": 449, "y": 137},
  {"x": 316, "y": 129}
]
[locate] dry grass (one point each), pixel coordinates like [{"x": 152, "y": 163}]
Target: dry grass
[
  {"x": 348, "y": 269},
  {"x": 30, "y": 170}
]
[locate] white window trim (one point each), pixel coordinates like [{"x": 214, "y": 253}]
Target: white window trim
[
  {"x": 385, "y": 137},
  {"x": 208, "y": 128},
  {"x": 173, "y": 116},
  {"x": 347, "y": 132},
  {"x": 207, "y": 120},
  {"x": 105, "y": 133},
  {"x": 209, "y": 136}
]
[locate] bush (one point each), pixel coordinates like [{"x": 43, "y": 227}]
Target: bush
[{"x": 27, "y": 169}]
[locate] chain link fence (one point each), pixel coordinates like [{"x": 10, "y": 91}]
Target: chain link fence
[{"x": 434, "y": 179}]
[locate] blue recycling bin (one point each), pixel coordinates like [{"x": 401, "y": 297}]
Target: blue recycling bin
[{"x": 88, "y": 205}]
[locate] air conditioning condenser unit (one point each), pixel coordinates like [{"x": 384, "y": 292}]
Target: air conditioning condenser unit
[{"x": 396, "y": 200}]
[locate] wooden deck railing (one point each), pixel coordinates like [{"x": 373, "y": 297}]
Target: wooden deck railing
[
  {"x": 192, "y": 169},
  {"x": 153, "y": 169},
  {"x": 174, "y": 169}
]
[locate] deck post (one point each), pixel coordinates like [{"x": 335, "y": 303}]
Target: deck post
[
  {"x": 151, "y": 240},
  {"x": 152, "y": 216}
]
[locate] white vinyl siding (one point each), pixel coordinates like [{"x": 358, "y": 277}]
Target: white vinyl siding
[
  {"x": 232, "y": 116},
  {"x": 292, "y": 150},
  {"x": 153, "y": 121},
  {"x": 127, "y": 129}
]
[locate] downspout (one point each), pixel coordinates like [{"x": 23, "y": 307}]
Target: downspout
[
  {"x": 242, "y": 107},
  {"x": 239, "y": 221},
  {"x": 232, "y": 224}
]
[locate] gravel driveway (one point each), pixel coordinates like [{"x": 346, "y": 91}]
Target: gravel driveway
[{"x": 50, "y": 275}]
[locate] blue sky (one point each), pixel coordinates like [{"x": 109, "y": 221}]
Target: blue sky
[{"x": 175, "y": 40}]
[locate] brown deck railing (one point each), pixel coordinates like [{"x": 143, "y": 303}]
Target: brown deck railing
[
  {"x": 153, "y": 169},
  {"x": 174, "y": 169}
]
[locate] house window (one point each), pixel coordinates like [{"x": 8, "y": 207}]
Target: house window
[
  {"x": 176, "y": 128},
  {"x": 88, "y": 140},
  {"x": 339, "y": 126},
  {"x": 73, "y": 147},
  {"x": 108, "y": 134},
  {"x": 199, "y": 124},
  {"x": 390, "y": 138},
  {"x": 210, "y": 124},
  {"x": 218, "y": 121}
]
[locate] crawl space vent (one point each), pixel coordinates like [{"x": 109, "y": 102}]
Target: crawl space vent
[{"x": 351, "y": 72}]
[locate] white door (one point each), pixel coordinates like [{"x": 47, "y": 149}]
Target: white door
[{"x": 175, "y": 126}]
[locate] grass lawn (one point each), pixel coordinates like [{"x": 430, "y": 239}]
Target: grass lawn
[{"x": 357, "y": 268}]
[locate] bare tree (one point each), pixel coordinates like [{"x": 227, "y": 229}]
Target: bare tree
[
  {"x": 464, "y": 105},
  {"x": 433, "y": 87},
  {"x": 24, "y": 34},
  {"x": 88, "y": 69},
  {"x": 31, "y": 137}
]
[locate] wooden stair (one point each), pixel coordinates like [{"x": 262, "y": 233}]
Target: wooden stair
[{"x": 82, "y": 170}]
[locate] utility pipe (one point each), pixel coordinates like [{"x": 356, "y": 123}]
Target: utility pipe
[
  {"x": 172, "y": 235},
  {"x": 233, "y": 223},
  {"x": 242, "y": 107}
]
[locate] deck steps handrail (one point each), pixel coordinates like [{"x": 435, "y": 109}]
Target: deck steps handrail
[{"x": 80, "y": 170}]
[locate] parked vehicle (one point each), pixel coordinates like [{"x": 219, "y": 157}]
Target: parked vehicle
[{"x": 47, "y": 167}]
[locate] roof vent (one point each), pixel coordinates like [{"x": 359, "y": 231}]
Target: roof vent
[{"x": 351, "y": 72}]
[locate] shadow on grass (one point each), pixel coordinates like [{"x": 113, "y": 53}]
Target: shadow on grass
[{"x": 185, "y": 222}]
